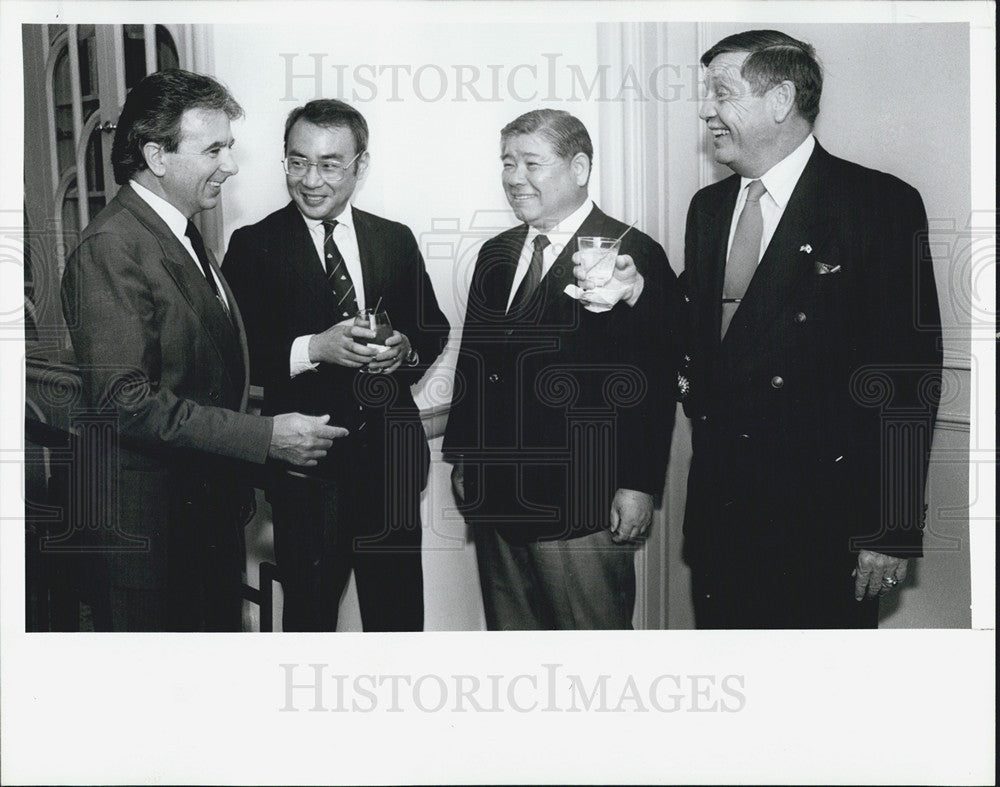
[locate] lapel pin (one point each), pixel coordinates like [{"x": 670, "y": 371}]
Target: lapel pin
[{"x": 807, "y": 249}]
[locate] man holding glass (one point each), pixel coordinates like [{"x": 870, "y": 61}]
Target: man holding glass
[
  {"x": 301, "y": 275},
  {"x": 557, "y": 432}
]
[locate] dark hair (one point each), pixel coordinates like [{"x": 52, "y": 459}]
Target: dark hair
[
  {"x": 331, "y": 113},
  {"x": 153, "y": 112},
  {"x": 566, "y": 133},
  {"x": 775, "y": 57}
]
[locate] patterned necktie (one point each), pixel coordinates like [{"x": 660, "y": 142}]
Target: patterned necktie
[
  {"x": 198, "y": 245},
  {"x": 336, "y": 273},
  {"x": 534, "y": 275},
  {"x": 744, "y": 254}
]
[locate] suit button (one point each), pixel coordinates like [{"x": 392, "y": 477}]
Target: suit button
[
  {"x": 494, "y": 378},
  {"x": 800, "y": 317},
  {"x": 213, "y": 395},
  {"x": 509, "y": 332},
  {"x": 744, "y": 436},
  {"x": 777, "y": 382}
]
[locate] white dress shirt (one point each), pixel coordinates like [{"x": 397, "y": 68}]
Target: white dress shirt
[
  {"x": 558, "y": 237},
  {"x": 346, "y": 238},
  {"x": 177, "y": 224},
  {"x": 779, "y": 181}
]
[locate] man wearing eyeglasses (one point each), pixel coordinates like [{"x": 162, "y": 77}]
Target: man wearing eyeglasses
[
  {"x": 161, "y": 347},
  {"x": 300, "y": 276}
]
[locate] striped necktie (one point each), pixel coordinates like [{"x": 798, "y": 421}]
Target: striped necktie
[{"x": 337, "y": 274}]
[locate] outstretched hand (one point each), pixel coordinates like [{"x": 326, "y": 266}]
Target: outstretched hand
[{"x": 302, "y": 440}]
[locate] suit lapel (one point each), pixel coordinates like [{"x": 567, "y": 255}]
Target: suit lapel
[
  {"x": 190, "y": 280},
  {"x": 496, "y": 277},
  {"x": 241, "y": 330},
  {"x": 783, "y": 266},
  {"x": 300, "y": 256},
  {"x": 372, "y": 274}
]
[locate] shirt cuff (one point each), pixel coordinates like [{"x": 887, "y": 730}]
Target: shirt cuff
[
  {"x": 299, "y": 357},
  {"x": 637, "y": 289}
]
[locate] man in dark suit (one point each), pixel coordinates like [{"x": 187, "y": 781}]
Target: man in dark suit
[
  {"x": 160, "y": 345},
  {"x": 815, "y": 359},
  {"x": 557, "y": 431},
  {"x": 300, "y": 276}
]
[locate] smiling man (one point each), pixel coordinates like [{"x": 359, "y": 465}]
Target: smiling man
[
  {"x": 160, "y": 345},
  {"x": 816, "y": 359},
  {"x": 557, "y": 433},
  {"x": 300, "y": 275}
]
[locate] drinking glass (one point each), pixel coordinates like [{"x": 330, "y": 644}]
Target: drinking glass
[
  {"x": 378, "y": 321},
  {"x": 598, "y": 258}
]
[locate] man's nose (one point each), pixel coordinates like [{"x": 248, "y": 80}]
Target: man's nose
[
  {"x": 706, "y": 109},
  {"x": 229, "y": 164},
  {"x": 312, "y": 177},
  {"x": 516, "y": 174}
]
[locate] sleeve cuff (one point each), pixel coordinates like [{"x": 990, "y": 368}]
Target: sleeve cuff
[{"x": 299, "y": 357}]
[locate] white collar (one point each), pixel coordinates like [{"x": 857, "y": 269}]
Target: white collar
[
  {"x": 174, "y": 219},
  {"x": 346, "y": 217},
  {"x": 561, "y": 234},
  {"x": 780, "y": 179}
]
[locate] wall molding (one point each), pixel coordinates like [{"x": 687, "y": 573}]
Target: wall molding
[{"x": 957, "y": 361}]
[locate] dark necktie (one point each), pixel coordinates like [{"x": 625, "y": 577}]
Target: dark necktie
[
  {"x": 534, "y": 275},
  {"x": 744, "y": 254},
  {"x": 336, "y": 273},
  {"x": 199, "y": 249}
]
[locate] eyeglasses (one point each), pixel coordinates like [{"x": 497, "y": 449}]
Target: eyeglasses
[{"x": 330, "y": 171}]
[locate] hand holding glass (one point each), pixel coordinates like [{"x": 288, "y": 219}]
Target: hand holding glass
[
  {"x": 599, "y": 256},
  {"x": 378, "y": 321}
]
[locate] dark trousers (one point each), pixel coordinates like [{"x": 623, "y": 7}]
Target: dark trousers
[
  {"x": 204, "y": 590},
  {"x": 578, "y": 583},
  {"x": 324, "y": 528},
  {"x": 775, "y": 593}
]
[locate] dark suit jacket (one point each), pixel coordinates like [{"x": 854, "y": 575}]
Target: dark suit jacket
[
  {"x": 281, "y": 287},
  {"x": 555, "y": 407},
  {"x": 813, "y": 418},
  {"x": 157, "y": 351}
]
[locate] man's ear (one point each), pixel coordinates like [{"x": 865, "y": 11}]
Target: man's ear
[
  {"x": 362, "y": 165},
  {"x": 153, "y": 154},
  {"x": 580, "y": 164},
  {"x": 783, "y": 100}
]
